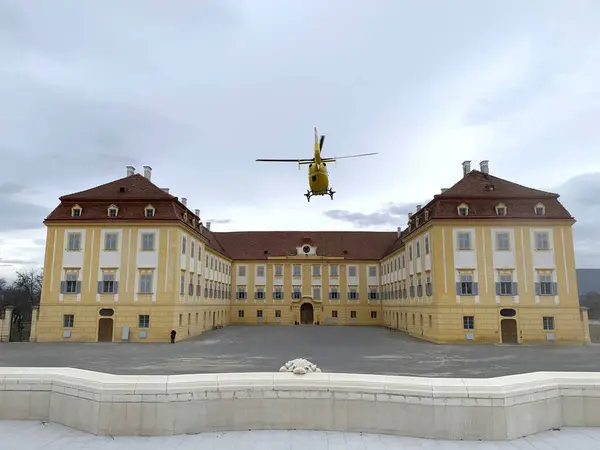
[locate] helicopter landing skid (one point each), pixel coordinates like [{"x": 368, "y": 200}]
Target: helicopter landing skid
[{"x": 310, "y": 194}]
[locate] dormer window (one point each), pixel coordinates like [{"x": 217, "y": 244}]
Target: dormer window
[
  {"x": 463, "y": 209},
  {"x": 185, "y": 216},
  {"x": 540, "y": 210},
  {"x": 416, "y": 222},
  {"x": 500, "y": 209},
  {"x": 426, "y": 215},
  {"x": 113, "y": 211},
  {"x": 149, "y": 211},
  {"x": 76, "y": 211}
]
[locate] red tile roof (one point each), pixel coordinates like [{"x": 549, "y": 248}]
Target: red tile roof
[{"x": 480, "y": 191}]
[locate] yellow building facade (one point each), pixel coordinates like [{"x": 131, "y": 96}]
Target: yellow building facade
[{"x": 486, "y": 260}]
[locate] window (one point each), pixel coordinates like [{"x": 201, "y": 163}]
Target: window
[
  {"x": 296, "y": 270},
  {"x": 504, "y": 286},
  {"x": 466, "y": 285},
  {"x": 144, "y": 321},
  {"x": 74, "y": 241},
  {"x": 545, "y": 286},
  {"x": 548, "y": 323},
  {"x": 353, "y": 314},
  {"x": 148, "y": 241},
  {"x": 418, "y": 249},
  {"x": 373, "y": 293},
  {"x": 192, "y": 249},
  {"x": 500, "y": 209},
  {"x": 430, "y": 321},
  {"x": 427, "y": 245},
  {"x": 373, "y": 314},
  {"x": 542, "y": 241},
  {"x": 259, "y": 294},
  {"x": 428, "y": 286},
  {"x": 191, "y": 285},
  {"x": 372, "y": 271},
  {"x": 182, "y": 284},
  {"x": 539, "y": 209},
  {"x": 259, "y": 313},
  {"x": 241, "y": 292},
  {"x": 76, "y": 211},
  {"x": 278, "y": 270},
  {"x": 199, "y": 253},
  {"x": 113, "y": 211},
  {"x": 502, "y": 241},
  {"x": 403, "y": 261},
  {"x": 183, "y": 245},
  {"x": 278, "y": 314},
  {"x": 198, "y": 286},
  {"x": 316, "y": 292},
  {"x": 334, "y": 314},
  {"x": 241, "y": 271},
  {"x": 108, "y": 283},
  {"x": 353, "y": 293},
  {"x": 149, "y": 211},
  {"x": 240, "y": 313},
  {"x": 296, "y": 291},
  {"x": 352, "y": 271},
  {"x": 412, "y": 286},
  {"x": 278, "y": 292},
  {"x": 334, "y": 293},
  {"x": 419, "y": 285},
  {"x": 469, "y": 322},
  {"x": 260, "y": 271},
  {"x": 110, "y": 241},
  {"x": 463, "y": 210},
  {"x": 333, "y": 271},
  {"x": 146, "y": 283},
  {"x": 316, "y": 271},
  {"x": 410, "y": 253},
  {"x": 70, "y": 285},
  {"x": 464, "y": 241},
  {"x": 68, "y": 320}
]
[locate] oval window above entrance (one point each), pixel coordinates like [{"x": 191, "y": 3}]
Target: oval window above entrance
[
  {"x": 508, "y": 312},
  {"x": 107, "y": 312}
]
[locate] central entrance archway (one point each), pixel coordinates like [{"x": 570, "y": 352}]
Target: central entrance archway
[
  {"x": 306, "y": 313},
  {"x": 105, "y": 330}
]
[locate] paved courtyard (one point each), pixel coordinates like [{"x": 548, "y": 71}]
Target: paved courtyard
[
  {"x": 18, "y": 435},
  {"x": 333, "y": 349}
]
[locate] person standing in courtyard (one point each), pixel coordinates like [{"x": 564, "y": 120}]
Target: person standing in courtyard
[{"x": 173, "y": 334}]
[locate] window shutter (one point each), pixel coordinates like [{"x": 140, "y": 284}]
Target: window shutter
[
  {"x": 78, "y": 287},
  {"x": 458, "y": 288},
  {"x": 554, "y": 288},
  {"x": 515, "y": 288},
  {"x": 116, "y": 287},
  {"x": 538, "y": 289},
  {"x": 475, "y": 288},
  {"x": 63, "y": 287},
  {"x": 99, "y": 287},
  {"x": 498, "y": 289}
]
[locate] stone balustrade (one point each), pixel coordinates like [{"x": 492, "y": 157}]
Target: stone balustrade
[{"x": 489, "y": 409}]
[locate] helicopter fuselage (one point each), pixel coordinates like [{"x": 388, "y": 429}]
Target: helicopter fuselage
[{"x": 318, "y": 178}]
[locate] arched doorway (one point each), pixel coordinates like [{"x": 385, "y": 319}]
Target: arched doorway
[
  {"x": 509, "y": 332},
  {"x": 306, "y": 313},
  {"x": 105, "y": 330}
]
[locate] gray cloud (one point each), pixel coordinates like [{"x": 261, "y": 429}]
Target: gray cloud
[
  {"x": 219, "y": 220},
  {"x": 8, "y": 262},
  {"x": 18, "y": 214},
  {"x": 393, "y": 215}
]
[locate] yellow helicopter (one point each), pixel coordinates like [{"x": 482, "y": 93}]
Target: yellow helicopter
[{"x": 318, "y": 179}]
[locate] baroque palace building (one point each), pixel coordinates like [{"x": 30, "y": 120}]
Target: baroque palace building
[{"x": 486, "y": 260}]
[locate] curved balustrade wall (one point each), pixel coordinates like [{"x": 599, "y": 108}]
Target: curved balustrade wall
[{"x": 490, "y": 409}]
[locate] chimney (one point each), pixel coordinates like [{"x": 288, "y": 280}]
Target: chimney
[
  {"x": 419, "y": 207},
  {"x": 466, "y": 167},
  {"x": 148, "y": 172},
  {"x": 165, "y": 190},
  {"x": 208, "y": 226},
  {"x": 399, "y": 231},
  {"x": 130, "y": 171},
  {"x": 484, "y": 166},
  {"x": 409, "y": 216},
  {"x": 184, "y": 201},
  {"x": 197, "y": 212},
  {"x": 444, "y": 190}
]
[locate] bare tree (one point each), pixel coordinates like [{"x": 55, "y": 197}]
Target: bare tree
[
  {"x": 29, "y": 282},
  {"x": 3, "y": 285}
]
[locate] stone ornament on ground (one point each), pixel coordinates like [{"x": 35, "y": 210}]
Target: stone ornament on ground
[{"x": 299, "y": 366}]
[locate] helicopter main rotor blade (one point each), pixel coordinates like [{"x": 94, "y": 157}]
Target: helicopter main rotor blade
[
  {"x": 321, "y": 143},
  {"x": 349, "y": 156},
  {"x": 285, "y": 160}
]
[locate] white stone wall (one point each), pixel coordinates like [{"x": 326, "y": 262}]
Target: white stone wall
[{"x": 489, "y": 409}]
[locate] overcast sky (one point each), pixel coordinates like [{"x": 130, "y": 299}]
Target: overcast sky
[{"x": 200, "y": 89}]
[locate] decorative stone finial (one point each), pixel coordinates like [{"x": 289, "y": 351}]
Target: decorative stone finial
[{"x": 299, "y": 366}]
